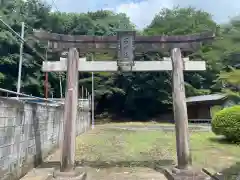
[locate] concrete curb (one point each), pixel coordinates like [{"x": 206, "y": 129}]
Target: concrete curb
[
  {"x": 81, "y": 176},
  {"x": 39, "y": 174},
  {"x": 210, "y": 173},
  {"x": 49, "y": 177},
  {"x": 77, "y": 174},
  {"x": 39, "y": 177},
  {"x": 70, "y": 174},
  {"x": 168, "y": 174},
  {"x": 172, "y": 174}
]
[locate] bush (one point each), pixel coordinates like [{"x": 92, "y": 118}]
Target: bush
[
  {"x": 227, "y": 122},
  {"x": 214, "y": 110}
]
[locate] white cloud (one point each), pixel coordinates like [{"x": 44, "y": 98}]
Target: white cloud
[
  {"x": 142, "y": 13},
  {"x": 221, "y": 10}
]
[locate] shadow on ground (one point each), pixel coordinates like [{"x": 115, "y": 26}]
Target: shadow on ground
[
  {"x": 223, "y": 140},
  {"x": 231, "y": 173},
  {"x": 119, "y": 170},
  {"x": 50, "y": 164}
]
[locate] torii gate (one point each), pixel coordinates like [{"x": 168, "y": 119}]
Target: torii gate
[{"x": 124, "y": 41}]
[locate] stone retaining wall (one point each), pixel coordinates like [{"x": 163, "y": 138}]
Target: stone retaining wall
[{"x": 29, "y": 132}]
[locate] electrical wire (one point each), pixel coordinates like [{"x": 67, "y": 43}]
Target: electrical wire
[
  {"x": 55, "y": 5},
  {"x": 60, "y": 75},
  {"x": 22, "y": 40},
  {"x": 28, "y": 26},
  {"x": 32, "y": 48}
]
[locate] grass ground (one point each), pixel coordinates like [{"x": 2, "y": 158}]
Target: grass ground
[{"x": 104, "y": 147}]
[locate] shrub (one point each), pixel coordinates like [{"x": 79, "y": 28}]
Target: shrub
[
  {"x": 214, "y": 110},
  {"x": 227, "y": 122}
]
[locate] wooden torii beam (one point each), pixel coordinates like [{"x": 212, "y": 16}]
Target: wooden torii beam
[
  {"x": 54, "y": 37},
  {"x": 59, "y": 42},
  {"x": 112, "y": 66},
  {"x": 168, "y": 64}
]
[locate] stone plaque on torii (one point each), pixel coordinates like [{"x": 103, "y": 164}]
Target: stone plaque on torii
[{"x": 126, "y": 44}]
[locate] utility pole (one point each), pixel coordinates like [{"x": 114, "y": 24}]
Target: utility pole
[
  {"x": 20, "y": 61},
  {"x": 180, "y": 110},
  {"x": 92, "y": 98}
]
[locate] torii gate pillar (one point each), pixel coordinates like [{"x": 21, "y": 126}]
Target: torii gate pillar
[
  {"x": 125, "y": 42},
  {"x": 70, "y": 112},
  {"x": 180, "y": 110}
]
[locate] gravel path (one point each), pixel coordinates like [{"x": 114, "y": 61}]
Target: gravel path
[{"x": 195, "y": 128}]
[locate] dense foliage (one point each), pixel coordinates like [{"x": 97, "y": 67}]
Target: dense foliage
[
  {"x": 134, "y": 95},
  {"x": 227, "y": 122}
]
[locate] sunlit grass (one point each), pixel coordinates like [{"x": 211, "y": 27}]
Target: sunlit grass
[{"x": 148, "y": 148}]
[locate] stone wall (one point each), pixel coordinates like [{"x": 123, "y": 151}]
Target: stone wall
[{"x": 29, "y": 132}]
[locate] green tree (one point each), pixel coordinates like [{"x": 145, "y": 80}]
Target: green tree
[
  {"x": 135, "y": 95},
  {"x": 34, "y": 14}
]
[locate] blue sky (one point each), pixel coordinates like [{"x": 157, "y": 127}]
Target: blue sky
[{"x": 141, "y": 12}]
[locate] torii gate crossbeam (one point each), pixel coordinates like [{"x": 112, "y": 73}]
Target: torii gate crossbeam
[
  {"x": 112, "y": 66},
  {"x": 125, "y": 44}
]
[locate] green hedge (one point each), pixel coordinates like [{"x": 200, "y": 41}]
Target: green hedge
[
  {"x": 227, "y": 122},
  {"x": 214, "y": 110}
]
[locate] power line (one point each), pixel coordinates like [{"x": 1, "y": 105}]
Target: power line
[
  {"x": 55, "y": 5},
  {"x": 28, "y": 26},
  {"x": 60, "y": 78},
  {"x": 22, "y": 40},
  {"x": 32, "y": 48}
]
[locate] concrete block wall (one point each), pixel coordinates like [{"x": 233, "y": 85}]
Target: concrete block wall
[{"x": 29, "y": 132}]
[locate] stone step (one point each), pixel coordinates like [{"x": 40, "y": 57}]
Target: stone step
[
  {"x": 82, "y": 176},
  {"x": 39, "y": 174}
]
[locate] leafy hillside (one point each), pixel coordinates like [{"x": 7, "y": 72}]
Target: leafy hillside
[{"x": 135, "y": 95}]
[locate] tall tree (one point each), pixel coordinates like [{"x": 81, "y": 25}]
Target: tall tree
[
  {"x": 135, "y": 95},
  {"x": 34, "y": 14}
]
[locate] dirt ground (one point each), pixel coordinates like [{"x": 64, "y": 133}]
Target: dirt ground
[
  {"x": 112, "y": 173},
  {"x": 108, "y": 153}
]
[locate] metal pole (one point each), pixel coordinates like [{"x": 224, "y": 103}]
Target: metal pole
[
  {"x": 89, "y": 107},
  {"x": 46, "y": 75},
  {"x": 60, "y": 83},
  {"x": 21, "y": 39},
  {"x": 82, "y": 93},
  {"x": 20, "y": 61},
  {"x": 86, "y": 93},
  {"x": 85, "y": 112},
  {"x": 26, "y": 95},
  {"x": 92, "y": 98}
]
